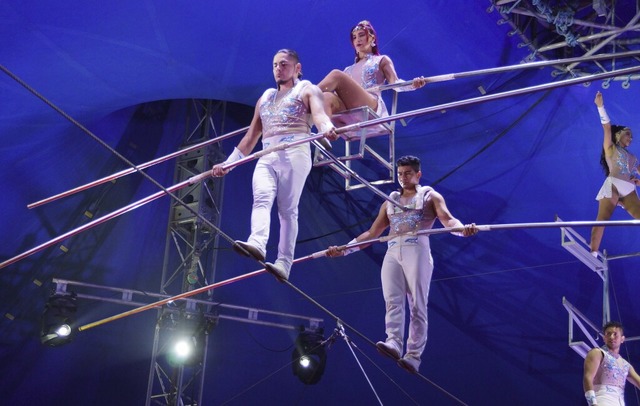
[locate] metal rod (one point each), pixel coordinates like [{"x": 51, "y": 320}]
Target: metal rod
[
  {"x": 492, "y": 227},
  {"x": 128, "y": 171},
  {"x": 275, "y": 148},
  {"x": 340, "y": 130},
  {"x": 531, "y": 65},
  {"x": 603, "y": 43},
  {"x": 190, "y": 293},
  {"x": 496, "y": 96},
  {"x": 351, "y": 173},
  {"x": 145, "y": 200},
  {"x": 103, "y": 219}
]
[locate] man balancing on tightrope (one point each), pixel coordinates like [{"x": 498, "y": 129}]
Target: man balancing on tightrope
[{"x": 408, "y": 265}]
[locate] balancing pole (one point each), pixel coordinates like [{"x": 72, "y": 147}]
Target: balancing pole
[
  {"x": 323, "y": 253},
  {"x": 352, "y": 127},
  {"x": 130, "y": 207},
  {"x": 500, "y": 69},
  {"x": 438, "y": 78},
  {"x": 184, "y": 295},
  {"x": 128, "y": 171}
]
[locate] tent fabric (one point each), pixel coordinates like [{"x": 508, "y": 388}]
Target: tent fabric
[{"x": 126, "y": 71}]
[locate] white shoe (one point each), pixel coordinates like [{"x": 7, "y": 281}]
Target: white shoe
[
  {"x": 248, "y": 250},
  {"x": 278, "y": 270},
  {"x": 409, "y": 363},
  {"x": 389, "y": 349}
]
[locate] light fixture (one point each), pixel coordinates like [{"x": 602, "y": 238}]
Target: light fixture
[
  {"x": 188, "y": 340},
  {"x": 58, "y": 318},
  {"x": 309, "y": 357}
]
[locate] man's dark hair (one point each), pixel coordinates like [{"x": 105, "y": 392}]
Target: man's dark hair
[
  {"x": 409, "y": 160},
  {"x": 610, "y": 324},
  {"x": 292, "y": 54}
]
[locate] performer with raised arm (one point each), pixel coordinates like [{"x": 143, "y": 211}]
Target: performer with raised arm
[
  {"x": 408, "y": 266},
  {"x": 606, "y": 372},
  {"x": 621, "y": 168},
  {"x": 281, "y": 115}
]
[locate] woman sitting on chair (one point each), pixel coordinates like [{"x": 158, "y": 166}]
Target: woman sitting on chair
[{"x": 356, "y": 86}]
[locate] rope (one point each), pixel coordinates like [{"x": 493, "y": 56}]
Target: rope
[{"x": 365, "y": 338}]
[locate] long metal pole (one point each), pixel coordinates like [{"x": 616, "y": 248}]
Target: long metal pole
[
  {"x": 496, "y": 96},
  {"x": 320, "y": 254},
  {"x": 438, "y": 78},
  {"x": 128, "y": 171},
  {"x": 500, "y": 69},
  {"x": 492, "y": 227},
  {"x": 348, "y": 128},
  {"x": 103, "y": 219},
  {"x": 194, "y": 292},
  {"x": 192, "y": 180}
]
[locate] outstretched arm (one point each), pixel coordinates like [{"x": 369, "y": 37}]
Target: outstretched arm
[
  {"x": 445, "y": 216},
  {"x": 246, "y": 145},
  {"x": 607, "y": 144},
  {"x": 250, "y": 139},
  {"x": 390, "y": 74},
  {"x": 320, "y": 118},
  {"x": 591, "y": 364},
  {"x": 377, "y": 228},
  {"x": 633, "y": 377}
]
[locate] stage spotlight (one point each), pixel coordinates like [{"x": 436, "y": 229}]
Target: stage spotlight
[
  {"x": 188, "y": 341},
  {"x": 309, "y": 357},
  {"x": 58, "y": 318},
  {"x": 183, "y": 350}
]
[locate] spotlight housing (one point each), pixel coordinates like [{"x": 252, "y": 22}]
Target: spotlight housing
[
  {"x": 189, "y": 339},
  {"x": 58, "y": 318},
  {"x": 309, "y": 357}
]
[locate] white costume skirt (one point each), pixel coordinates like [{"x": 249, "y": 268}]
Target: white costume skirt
[{"x": 624, "y": 188}]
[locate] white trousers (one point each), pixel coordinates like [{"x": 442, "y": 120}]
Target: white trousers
[
  {"x": 406, "y": 276},
  {"x": 608, "y": 395},
  {"x": 279, "y": 175}
]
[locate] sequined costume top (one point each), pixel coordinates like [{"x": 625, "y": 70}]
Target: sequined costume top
[
  {"x": 622, "y": 164},
  {"x": 613, "y": 370},
  {"x": 417, "y": 217},
  {"x": 366, "y": 72},
  {"x": 287, "y": 115}
]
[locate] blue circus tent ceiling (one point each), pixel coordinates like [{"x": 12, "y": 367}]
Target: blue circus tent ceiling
[{"x": 127, "y": 72}]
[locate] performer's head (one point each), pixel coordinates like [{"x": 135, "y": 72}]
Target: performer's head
[
  {"x": 409, "y": 173},
  {"x": 286, "y": 67},
  {"x": 364, "y": 39},
  {"x": 621, "y": 135},
  {"x": 613, "y": 333}
]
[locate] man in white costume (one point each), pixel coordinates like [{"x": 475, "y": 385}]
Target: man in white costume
[
  {"x": 408, "y": 266},
  {"x": 281, "y": 115}
]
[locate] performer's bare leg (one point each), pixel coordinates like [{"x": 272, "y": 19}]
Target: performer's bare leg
[
  {"x": 332, "y": 103},
  {"x": 605, "y": 210},
  {"x": 349, "y": 93},
  {"x": 631, "y": 204}
]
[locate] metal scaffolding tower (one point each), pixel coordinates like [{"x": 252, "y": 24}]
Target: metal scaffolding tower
[{"x": 189, "y": 262}]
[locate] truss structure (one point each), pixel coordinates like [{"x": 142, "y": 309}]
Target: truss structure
[
  {"x": 556, "y": 29},
  {"x": 189, "y": 260},
  {"x": 579, "y": 247},
  {"x": 167, "y": 384}
]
